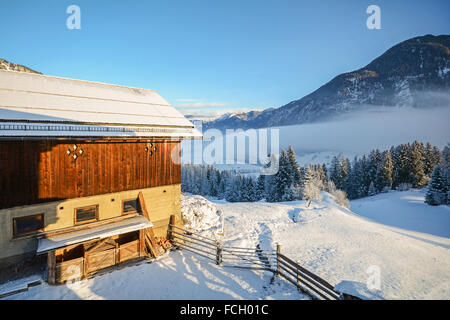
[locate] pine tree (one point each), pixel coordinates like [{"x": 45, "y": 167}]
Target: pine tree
[
  {"x": 343, "y": 174},
  {"x": 384, "y": 173},
  {"x": 403, "y": 165},
  {"x": 233, "y": 190},
  {"x": 417, "y": 175},
  {"x": 354, "y": 179},
  {"x": 270, "y": 188},
  {"x": 320, "y": 174},
  {"x": 373, "y": 163},
  {"x": 372, "y": 191},
  {"x": 292, "y": 159},
  {"x": 428, "y": 161},
  {"x": 283, "y": 179},
  {"x": 325, "y": 172},
  {"x": 259, "y": 188},
  {"x": 437, "y": 191},
  {"x": 335, "y": 170}
]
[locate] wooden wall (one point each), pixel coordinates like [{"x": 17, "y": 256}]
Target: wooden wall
[{"x": 42, "y": 170}]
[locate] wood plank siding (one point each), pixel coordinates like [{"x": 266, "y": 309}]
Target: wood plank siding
[{"x": 37, "y": 171}]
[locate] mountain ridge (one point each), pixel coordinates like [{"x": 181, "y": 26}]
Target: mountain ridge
[
  {"x": 9, "y": 66},
  {"x": 414, "y": 72}
]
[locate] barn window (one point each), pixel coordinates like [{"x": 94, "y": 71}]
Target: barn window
[
  {"x": 86, "y": 214},
  {"x": 130, "y": 206},
  {"x": 28, "y": 225}
]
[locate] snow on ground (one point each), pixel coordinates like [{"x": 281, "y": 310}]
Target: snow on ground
[
  {"x": 395, "y": 233},
  {"x": 344, "y": 248},
  {"x": 201, "y": 216},
  {"x": 179, "y": 275},
  {"x": 405, "y": 210}
]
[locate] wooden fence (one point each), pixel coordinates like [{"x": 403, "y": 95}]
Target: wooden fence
[{"x": 255, "y": 259}]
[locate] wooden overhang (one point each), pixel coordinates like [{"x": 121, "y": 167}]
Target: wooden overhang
[{"x": 95, "y": 233}]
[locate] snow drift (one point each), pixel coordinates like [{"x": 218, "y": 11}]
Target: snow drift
[{"x": 201, "y": 216}]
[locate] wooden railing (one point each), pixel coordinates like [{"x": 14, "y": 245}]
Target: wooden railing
[{"x": 255, "y": 259}]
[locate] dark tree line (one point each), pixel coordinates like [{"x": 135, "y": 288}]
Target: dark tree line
[{"x": 401, "y": 167}]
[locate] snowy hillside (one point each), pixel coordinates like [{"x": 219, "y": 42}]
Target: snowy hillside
[
  {"x": 341, "y": 246},
  {"x": 395, "y": 232}
]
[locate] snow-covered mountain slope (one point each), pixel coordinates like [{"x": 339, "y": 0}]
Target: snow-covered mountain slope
[
  {"x": 413, "y": 73},
  {"x": 341, "y": 246}
]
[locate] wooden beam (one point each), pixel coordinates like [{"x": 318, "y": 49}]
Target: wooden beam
[
  {"x": 51, "y": 267},
  {"x": 149, "y": 234},
  {"x": 97, "y": 245},
  {"x": 86, "y": 226}
]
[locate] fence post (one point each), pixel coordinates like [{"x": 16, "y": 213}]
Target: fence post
[
  {"x": 171, "y": 224},
  {"x": 298, "y": 275},
  {"x": 278, "y": 259},
  {"x": 219, "y": 254}
]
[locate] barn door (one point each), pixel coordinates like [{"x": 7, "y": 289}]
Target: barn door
[{"x": 100, "y": 256}]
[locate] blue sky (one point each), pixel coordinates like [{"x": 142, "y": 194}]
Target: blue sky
[{"x": 210, "y": 56}]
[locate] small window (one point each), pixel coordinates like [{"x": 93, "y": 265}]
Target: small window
[
  {"x": 28, "y": 225},
  {"x": 86, "y": 214},
  {"x": 130, "y": 206}
]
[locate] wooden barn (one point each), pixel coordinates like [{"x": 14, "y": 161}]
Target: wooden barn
[{"x": 89, "y": 172}]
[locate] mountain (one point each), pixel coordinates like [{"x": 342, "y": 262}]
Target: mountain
[
  {"x": 6, "y": 65},
  {"x": 413, "y": 73}
]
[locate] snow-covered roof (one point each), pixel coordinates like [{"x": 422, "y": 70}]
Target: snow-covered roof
[
  {"x": 40, "y": 105},
  {"x": 95, "y": 233}
]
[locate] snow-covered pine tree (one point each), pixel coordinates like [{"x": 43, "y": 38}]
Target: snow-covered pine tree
[
  {"x": 270, "y": 188},
  {"x": 446, "y": 169},
  {"x": 428, "y": 159},
  {"x": 325, "y": 172},
  {"x": 247, "y": 190},
  {"x": 365, "y": 179},
  {"x": 372, "y": 191},
  {"x": 373, "y": 163},
  {"x": 310, "y": 174},
  {"x": 233, "y": 189},
  {"x": 320, "y": 174},
  {"x": 224, "y": 177},
  {"x": 437, "y": 191},
  {"x": 383, "y": 180},
  {"x": 417, "y": 174},
  {"x": 335, "y": 169},
  {"x": 283, "y": 179},
  {"x": 354, "y": 179},
  {"x": 292, "y": 159},
  {"x": 403, "y": 165},
  {"x": 343, "y": 174},
  {"x": 206, "y": 180},
  {"x": 259, "y": 193}
]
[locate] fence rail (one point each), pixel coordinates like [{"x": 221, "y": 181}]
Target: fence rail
[{"x": 255, "y": 259}]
